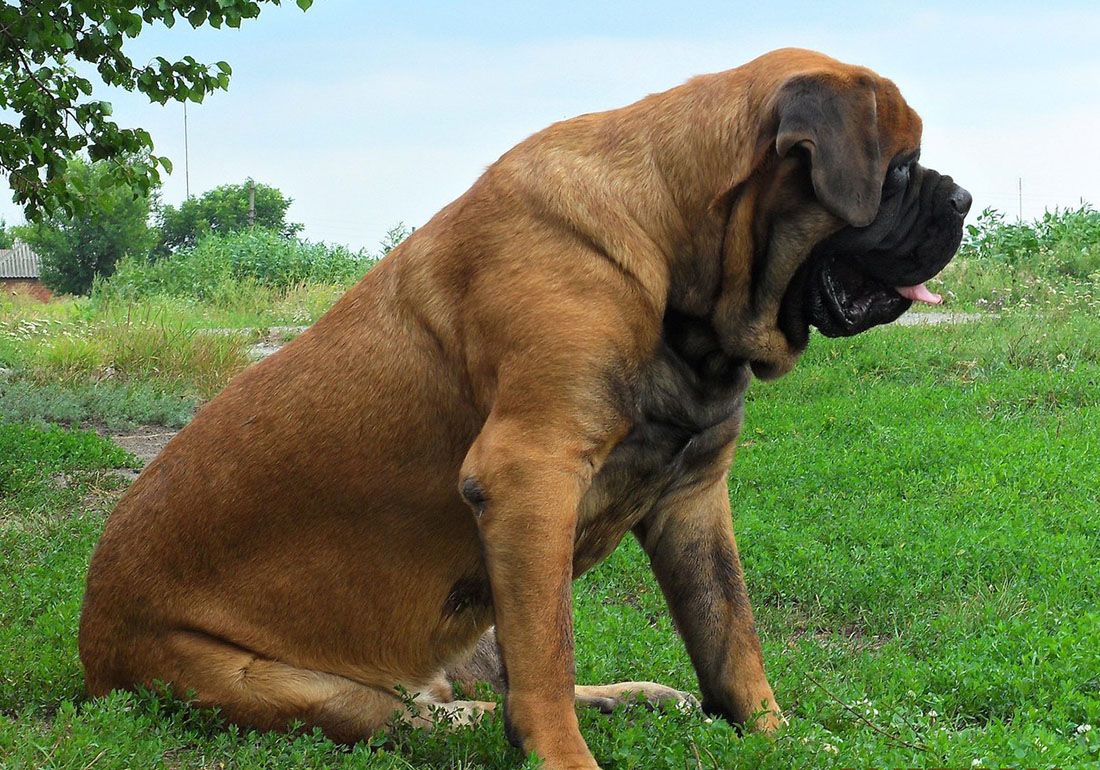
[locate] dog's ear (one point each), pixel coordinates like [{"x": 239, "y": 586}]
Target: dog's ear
[{"x": 837, "y": 124}]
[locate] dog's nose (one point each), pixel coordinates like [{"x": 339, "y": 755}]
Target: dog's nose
[{"x": 961, "y": 200}]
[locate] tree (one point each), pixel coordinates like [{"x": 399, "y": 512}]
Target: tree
[
  {"x": 54, "y": 114},
  {"x": 7, "y": 237},
  {"x": 76, "y": 247},
  {"x": 224, "y": 210}
]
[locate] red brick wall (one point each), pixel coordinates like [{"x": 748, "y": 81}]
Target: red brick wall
[{"x": 27, "y": 288}]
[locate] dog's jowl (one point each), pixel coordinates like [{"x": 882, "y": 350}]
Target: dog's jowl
[{"x": 402, "y": 497}]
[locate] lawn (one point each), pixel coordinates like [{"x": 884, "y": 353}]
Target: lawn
[{"x": 917, "y": 512}]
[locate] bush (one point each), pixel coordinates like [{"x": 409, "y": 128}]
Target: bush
[
  {"x": 1063, "y": 242},
  {"x": 77, "y": 248},
  {"x": 216, "y": 266}
]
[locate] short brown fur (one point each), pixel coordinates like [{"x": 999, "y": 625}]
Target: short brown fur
[{"x": 303, "y": 546}]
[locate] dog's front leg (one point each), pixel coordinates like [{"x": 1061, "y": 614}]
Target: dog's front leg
[
  {"x": 524, "y": 486},
  {"x": 690, "y": 542}
]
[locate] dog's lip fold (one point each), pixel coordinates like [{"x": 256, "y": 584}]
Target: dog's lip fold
[{"x": 845, "y": 300}]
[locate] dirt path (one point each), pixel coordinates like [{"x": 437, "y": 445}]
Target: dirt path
[{"x": 937, "y": 317}]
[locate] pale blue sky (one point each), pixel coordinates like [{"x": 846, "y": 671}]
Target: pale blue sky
[{"x": 367, "y": 113}]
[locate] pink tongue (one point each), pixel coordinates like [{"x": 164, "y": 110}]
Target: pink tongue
[{"x": 919, "y": 293}]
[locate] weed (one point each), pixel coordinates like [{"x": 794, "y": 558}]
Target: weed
[
  {"x": 216, "y": 268},
  {"x": 916, "y": 514},
  {"x": 132, "y": 344}
]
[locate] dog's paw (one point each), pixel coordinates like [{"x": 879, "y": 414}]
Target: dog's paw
[{"x": 648, "y": 695}]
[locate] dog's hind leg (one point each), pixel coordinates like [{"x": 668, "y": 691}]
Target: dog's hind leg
[{"x": 254, "y": 691}]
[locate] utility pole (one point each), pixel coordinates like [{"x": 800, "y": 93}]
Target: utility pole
[
  {"x": 186, "y": 155},
  {"x": 251, "y": 203},
  {"x": 1020, "y": 198}
]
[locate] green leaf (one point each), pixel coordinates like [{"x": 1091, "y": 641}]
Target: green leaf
[
  {"x": 72, "y": 33},
  {"x": 304, "y": 4}
]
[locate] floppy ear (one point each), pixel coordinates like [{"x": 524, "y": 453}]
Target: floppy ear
[{"x": 838, "y": 125}]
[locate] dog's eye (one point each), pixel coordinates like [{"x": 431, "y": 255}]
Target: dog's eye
[{"x": 898, "y": 176}]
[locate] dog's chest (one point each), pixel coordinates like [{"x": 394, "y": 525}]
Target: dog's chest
[{"x": 688, "y": 412}]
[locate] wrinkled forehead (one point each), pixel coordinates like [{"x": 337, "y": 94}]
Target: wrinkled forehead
[{"x": 898, "y": 124}]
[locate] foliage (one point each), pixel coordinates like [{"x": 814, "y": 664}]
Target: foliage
[
  {"x": 910, "y": 616},
  {"x": 30, "y": 455},
  {"x": 124, "y": 345},
  {"x": 115, "y": 405},
  {"x": 223, "y": 210},
  {"x": 218, "y": 264},
  {"x": 77, "y": 247},
  {"x": 394, "y": 236},
  {"x": 7, "y": 237},
  {"x": 44, "y": 39},
  {"x": 1065, "y": 241},
  {"x": 1051, "y": 263}
]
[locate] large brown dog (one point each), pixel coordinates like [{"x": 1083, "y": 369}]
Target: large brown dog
[{"x": 556, "y": 359}]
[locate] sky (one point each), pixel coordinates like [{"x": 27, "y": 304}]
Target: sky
[{"x": 367, "y": 113}]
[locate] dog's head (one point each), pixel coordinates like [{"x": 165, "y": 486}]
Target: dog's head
[
  {"x": 903, "y": 222},
  {"x": 848, "y": 224}
]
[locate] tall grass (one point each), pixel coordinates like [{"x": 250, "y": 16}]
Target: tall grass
[
  {"x": 1052, "y": 263},
  {"x": 127, "y": 344},
  {"x": 1061, "y": 242},
  {"x": 219, "y": 267},
  {"x": 248, "y": 278}
]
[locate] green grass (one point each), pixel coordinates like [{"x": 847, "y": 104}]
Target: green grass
[
  {"x": 916, "y": 510},
  {"x": 76, "y": 344},
  {"x": 113, "y": 405},
  {"x": 1052, "y": 263},
  {"x": 215, "y": 267}
]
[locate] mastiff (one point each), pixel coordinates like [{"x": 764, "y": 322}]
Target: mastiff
[{"x": 401, "y": 498}]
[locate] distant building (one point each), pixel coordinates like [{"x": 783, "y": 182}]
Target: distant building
[{"x": 21, "y": 273}]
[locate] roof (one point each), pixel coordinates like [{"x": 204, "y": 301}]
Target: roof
[{"x": 19, "y": 262}]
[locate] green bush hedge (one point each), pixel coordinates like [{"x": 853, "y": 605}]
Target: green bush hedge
[
  {"x": 1063, "y": 242},
  {"x": 218, "y": 264}
]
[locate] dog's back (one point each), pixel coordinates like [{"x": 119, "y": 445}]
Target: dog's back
[{"x": 277, "y": 519}]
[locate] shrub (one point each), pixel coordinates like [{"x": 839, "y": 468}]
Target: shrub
[
  {"x": 78, "y": 247},
  {"x": 1062, "y": 242},
  {"x": 215, "y": 268}
]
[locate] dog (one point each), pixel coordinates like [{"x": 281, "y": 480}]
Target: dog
[{"x": 402, "y": 496}]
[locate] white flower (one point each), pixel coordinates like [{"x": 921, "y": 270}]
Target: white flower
[
  {"x": 831, "y": 748},
  {"x": 932, "y": 713},
  {"x": 976, "y": 763},
  {"x": 1082, "y": 729}
]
